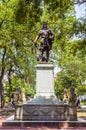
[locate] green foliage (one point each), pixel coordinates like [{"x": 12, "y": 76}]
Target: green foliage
[
  {"x": 59, "y": 89},
  {"x": 6, "y": 99},
  {"x": 28, "y": 11},
  {"x": 83, "y": 102}
]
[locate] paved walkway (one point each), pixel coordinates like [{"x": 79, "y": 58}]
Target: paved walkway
[
  {"x": 41, "y": 128},
  {"x": 83, "y": 106}
]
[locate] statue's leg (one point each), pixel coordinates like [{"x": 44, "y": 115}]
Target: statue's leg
[
  {"x": 47, "y": 55},
  {"x": 41, "y": 56}
]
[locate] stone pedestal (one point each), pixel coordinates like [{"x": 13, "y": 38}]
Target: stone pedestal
[
  {"x": 45, "y": 112},
  {"x": 45, "y": 106},
  {"x": 44, "y": 81}
]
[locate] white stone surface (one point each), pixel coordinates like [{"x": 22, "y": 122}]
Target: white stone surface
[{"x": 45, "y": 80}]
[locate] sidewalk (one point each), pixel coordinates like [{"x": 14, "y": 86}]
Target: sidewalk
[
  {"x": 42, "y": 128},
  {"x": 83, "y": 106}
]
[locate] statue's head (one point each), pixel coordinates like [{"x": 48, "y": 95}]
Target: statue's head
[{"x": 44, "y": 24}]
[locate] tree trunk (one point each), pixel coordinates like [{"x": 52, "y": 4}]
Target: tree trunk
[
  {"x": 1, "y": 93},
  {"x": 1, "y": 79},
  {"x": 10, "y": 83}
]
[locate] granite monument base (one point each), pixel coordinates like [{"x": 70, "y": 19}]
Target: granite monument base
[
  {"x": 45, "y": 112},
  {"x": 45, "y": 106}
]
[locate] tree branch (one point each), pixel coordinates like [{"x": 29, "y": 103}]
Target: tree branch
[
  {"x": 2, "y": 21},
  {"x": 79, "y": 1}
]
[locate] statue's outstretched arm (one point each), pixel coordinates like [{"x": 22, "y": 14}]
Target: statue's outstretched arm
[{"x": 37, "y": 37}]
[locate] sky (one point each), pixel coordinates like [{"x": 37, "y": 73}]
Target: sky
[{"x": 80, "y": 10}]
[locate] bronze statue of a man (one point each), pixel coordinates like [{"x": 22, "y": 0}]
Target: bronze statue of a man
[{"x": 47, "y": 38}]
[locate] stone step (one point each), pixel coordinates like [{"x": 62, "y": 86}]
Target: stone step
[{"x": 11, "y": 122}]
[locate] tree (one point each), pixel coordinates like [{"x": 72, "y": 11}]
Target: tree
[
  {"x": 16, "y": 36},
  {"x": 1, "y": 77}
]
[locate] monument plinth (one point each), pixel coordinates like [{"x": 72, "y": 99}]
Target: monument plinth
[
  {"x": 44, "y": 81},
  {"x": 45, "y": 106}
]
